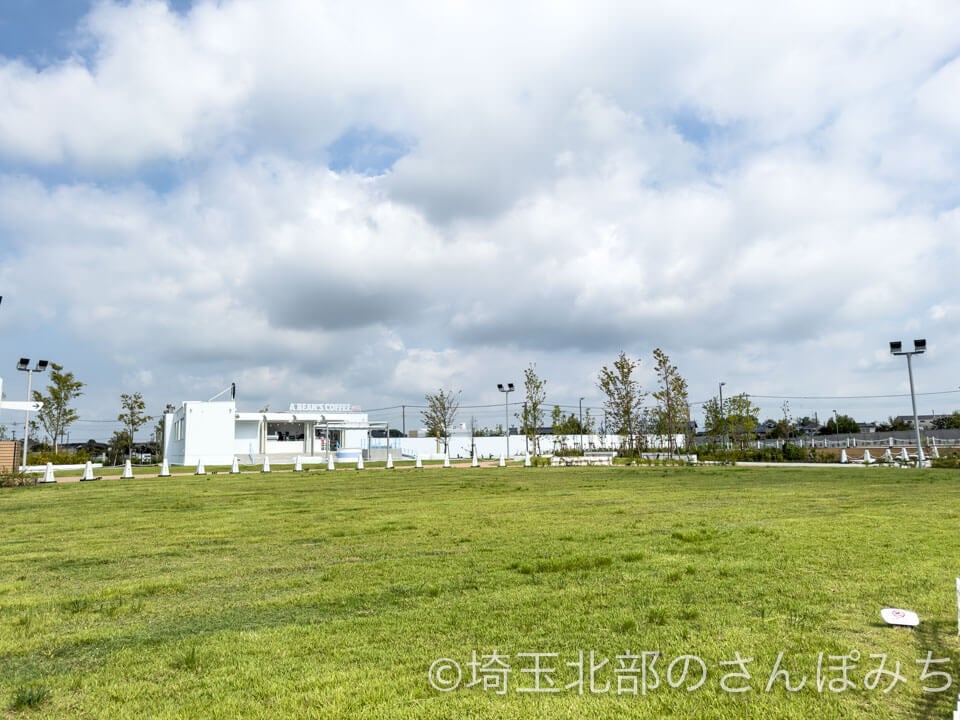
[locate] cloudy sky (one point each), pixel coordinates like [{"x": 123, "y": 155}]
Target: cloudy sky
[{"x": 364, "y": 202}]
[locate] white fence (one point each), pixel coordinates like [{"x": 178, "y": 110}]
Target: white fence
[{"x": 463, "y": 446}]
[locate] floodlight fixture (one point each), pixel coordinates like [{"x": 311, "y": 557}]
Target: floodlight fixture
[
  {"x": 919, "y": 347},
  {"x": 24, "y": 366},
  {"x": 506, "y": 412}
]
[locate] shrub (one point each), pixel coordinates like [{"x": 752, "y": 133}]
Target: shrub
[
  {"x": 946, "y": 463},
  {"x": 59, "y": 458},
  {"x": 16, "y": 479}
]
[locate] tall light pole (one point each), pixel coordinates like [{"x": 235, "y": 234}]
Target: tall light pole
[
  {"x": 836, "y": 423},
  {"x": 24, "y": 366},
  {"x": 723, "y": 420},
  {"x": 581, "y": 425},
  {"x": 919, "y": 347},
  {"x": 506, "y": 412}
]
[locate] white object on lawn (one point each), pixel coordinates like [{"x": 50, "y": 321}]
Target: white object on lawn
[{"x": 897, "y": 616}]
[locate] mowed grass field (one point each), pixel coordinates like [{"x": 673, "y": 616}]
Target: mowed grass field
[{"x": 332, "y": 595}]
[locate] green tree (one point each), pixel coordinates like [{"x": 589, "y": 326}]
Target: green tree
[
  {"x": 892, "y": 425},
  {"x": 119, "y": 445},
  {"x": 132, "y": 416},
  {"x": 439, "y": 415},
  {"x": 784, "y": 428},
  {"x": 623, "y": 397},
  {"x": 741, "y": 418},
  {"x": 672, "y": 412},
  {"x": 844, "y": 424},
  {"x": 531, "y": 414},
  {"x": 948, "y": 422},
  {"x": 589, "y": 425},
  {"x": 57, "y": 415},
  {"x": 556, "y": 420},
  {"x": 714, "y": 420}
]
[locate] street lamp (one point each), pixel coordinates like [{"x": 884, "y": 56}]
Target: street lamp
[
  {"x": 24, "y": 366},
  {"x": 506, "y": 413},
  {"x": 581, "y": 425},
  {"x": 919, "y": 347},
  {"x": 836, "y": 423},
  {"x": 723, "y": 420}
]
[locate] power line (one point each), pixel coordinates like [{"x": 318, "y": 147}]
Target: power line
[{"x": 846, "y": 397}]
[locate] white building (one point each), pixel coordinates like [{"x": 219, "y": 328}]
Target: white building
[{"x": 216, "y": 433}]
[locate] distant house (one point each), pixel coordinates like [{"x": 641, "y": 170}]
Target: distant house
[
  {"x": 868, "y": 427},
  {"x": 926, "y": 421}
]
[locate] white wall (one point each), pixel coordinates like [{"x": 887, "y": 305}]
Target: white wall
[
  {"x": 496, "y": 446},
  {"x": 208, "y": 433}
]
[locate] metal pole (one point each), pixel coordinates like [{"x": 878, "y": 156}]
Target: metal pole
[
  {"x": 506, "y": 420},
  {"x": 26, "y": 420},
  {"x": 581, "y": 426},
  {"x": 916, "y": 421},
  {"x": 723, "y": 420}
]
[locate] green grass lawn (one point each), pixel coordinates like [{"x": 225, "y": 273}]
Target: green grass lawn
[{"x": 331, "y": 595}]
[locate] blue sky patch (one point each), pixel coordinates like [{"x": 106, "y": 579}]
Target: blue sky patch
[
  {"x": 366, "y": 150},
  {"x": 43, "y": 32}
]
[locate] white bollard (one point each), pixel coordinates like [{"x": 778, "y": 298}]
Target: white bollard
[
  {"x": 418, "y": 463},
  {"x": 446, "y": 461},
  {"x": 526, "y": 461},
  {"x": 389, "y": 461},
  {"x": 474, "y": 462},
  {"x": 266, "y": 464},
  {"x": 235, "y": 467},
  {"x": 297, "y": 464},
  {"x": 87, "y": 471},
  {"x": 48, "y": 476},
  {"x": 201, "y": 470},
  {"x": 503, "y": 462},
  {"x": 843, "y": 456},
  {"x": 127, "y": 471},
  {"x": 360, "y": 461},
  {"x": 165, "y": 468},
  {"x": 330, "y": 463},
  {"x": 867, "y": 460}
]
